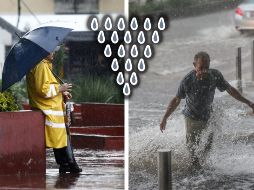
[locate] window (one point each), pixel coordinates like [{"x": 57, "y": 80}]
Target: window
[{"x": 76, "y": 6}]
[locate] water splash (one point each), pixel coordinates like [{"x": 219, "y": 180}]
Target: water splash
[
  {"x": 121, "y": 51},
  {"x": 101, "y": 37},
  {"x": 94, "y": 24},
  {"x": 120, "y": 78},
  {"x": 134, "y": 79},
  {"x": 148, "y": 51},
  {"x": 161, "y": 24},
  {"x": 114, "y": 65},
  {"x": 155, "y": 37},
  {"x": 108, "y": 23},
  {"x": 114, "y": 37},
  {"x": 128, "y": 65},
  {"x": 141, "y": 65},
  {"x": 126, "y": 89},
  {"x": 121, "y": 24},
  {"x": 134, "y": 51},
  {"x": 147, "y": 24},
  {"x": 127, "y": 37},
  {"x": 107, "y": 51},
  {"x": 134, "y": 23},
  {"x": 141, "y": 37}
]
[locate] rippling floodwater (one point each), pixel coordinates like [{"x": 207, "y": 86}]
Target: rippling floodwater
[
  {"x": 230, "y": 162},
  {"x": 102, "y": 170}
]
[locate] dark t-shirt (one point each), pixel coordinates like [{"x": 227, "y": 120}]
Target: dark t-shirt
[{"x": 199, "y": 94}]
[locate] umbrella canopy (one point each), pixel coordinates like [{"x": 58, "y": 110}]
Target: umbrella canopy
[{"x": 29, "y": 51}]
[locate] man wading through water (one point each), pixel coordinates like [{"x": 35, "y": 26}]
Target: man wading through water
[{"x": 198, "y": 88}]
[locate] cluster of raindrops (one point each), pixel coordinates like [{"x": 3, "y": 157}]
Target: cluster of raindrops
[{"x": 136, "y": 45}]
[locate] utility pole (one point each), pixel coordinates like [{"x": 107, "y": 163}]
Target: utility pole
[{"x": 19, "y": 11}]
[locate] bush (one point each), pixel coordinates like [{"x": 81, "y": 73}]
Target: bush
[
  {"x": 96, "y": 89},
  {"x": 8, "y": 102}
]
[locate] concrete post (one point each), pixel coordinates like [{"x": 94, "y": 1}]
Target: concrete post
[
  {"x": 164, "y": 170},
  {"x": 239, "y": 70},
  {"x": 252, "y": 61}
]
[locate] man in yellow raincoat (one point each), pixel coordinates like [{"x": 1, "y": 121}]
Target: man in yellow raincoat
[{"x": 46, "y": 94}]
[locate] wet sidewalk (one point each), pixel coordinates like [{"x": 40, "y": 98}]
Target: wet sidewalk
[{"x": 102, "y": 170}]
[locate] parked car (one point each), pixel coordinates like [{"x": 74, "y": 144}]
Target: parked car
[{"x": 244, "y": 16}]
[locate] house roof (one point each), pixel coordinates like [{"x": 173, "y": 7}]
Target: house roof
[
  {"x": 78, "y": 22},
  {"x": 10, "y": 28}
]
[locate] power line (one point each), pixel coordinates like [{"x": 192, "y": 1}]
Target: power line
[{"x": 31, "y": 12}]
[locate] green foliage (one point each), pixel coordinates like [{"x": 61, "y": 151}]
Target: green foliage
[
  {"x": 58, "y": 61},
  {"x": 8, "y": 102},
  {"x": 96, "y": 89},
  {"x": 19, "y": 90},
  {"x": 11, "y": 98}
]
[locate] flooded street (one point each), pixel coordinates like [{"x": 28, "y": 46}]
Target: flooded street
[
  {"x": 102, "y": 170},
  {"x": 230, "y": 163}
]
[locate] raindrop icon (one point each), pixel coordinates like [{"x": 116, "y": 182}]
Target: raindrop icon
[
  {"x": 126, "y": 89},
  {"x": 119, "y": 78},
  {"x": 134, "y": 79},
  {"x": 147, "y": 24},
  {"x": 121, "y": 51},
  {"x": 155, "y": 37},
  {"x": 114, "y": 37},
  {"x": 107, "y": 51},
  {"x": 101, "y": 37},
  {"x": 161, "y": 24},
  {"x": 148, "y": 51},
  {"x": 134, "y": 51},
  {"x": 94, "y": 24},
  {"x": 108, "y": 24},
  {"x": 141, "y": 65},
  {"x": 141, "y": 37},
  {"x": 121, "y": 24},
  {"x": 114, "y": 65},
  {"x": 127, "y": 37},
  {"x": 134, "y": 23},
  {"x": 128, "y": 65}
]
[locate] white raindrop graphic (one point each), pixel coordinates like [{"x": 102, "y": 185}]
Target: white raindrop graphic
[
  {"x": 128, "y": 65},
  {"x": 147, "y": 24},
  {"x": 121, "y": 51},
  {"x": 114, "y": 65},
  {"x": 107, "y": 51},
  {"x": 134, "y": 23},
  {"x": 148, "y": 51},
  {"x": 134, "y": 79},
  {"x": 155, "y": 37},
  {"x": 126, "y": 89},
  {"x": 108, "y": 23},
  {"x": 120, "y": 78},
  {"x": 141, "y": 65},
  {"x": 121, "y": 24},
  {"x": 101, "y": 37},
  {"x": 161, "y": 24},
  {"x": 134, "y": 51},
  {"x": 127, "y": 37},
  {"x": 114, "y": 37},
  {"x": 94, "y": 24},
  {"x": 141, "y": 37}
]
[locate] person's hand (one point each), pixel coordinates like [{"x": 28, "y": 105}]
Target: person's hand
[
  {"x": 163, "y": 125},
  {"x": 65, "y": 87},
  {"x": 67, "y": 95}
]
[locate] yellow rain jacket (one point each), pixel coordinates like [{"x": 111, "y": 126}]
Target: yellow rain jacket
[{"x": 43, "y": 92}]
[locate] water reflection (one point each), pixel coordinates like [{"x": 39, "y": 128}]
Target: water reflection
[
  {"x": 66, "y": 181},
  {"x": 22, "y": 181}
]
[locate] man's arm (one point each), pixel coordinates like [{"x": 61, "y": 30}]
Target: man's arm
[
  {"x": 234, "y": 93},
  {"x": 171, "y": 108}
]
